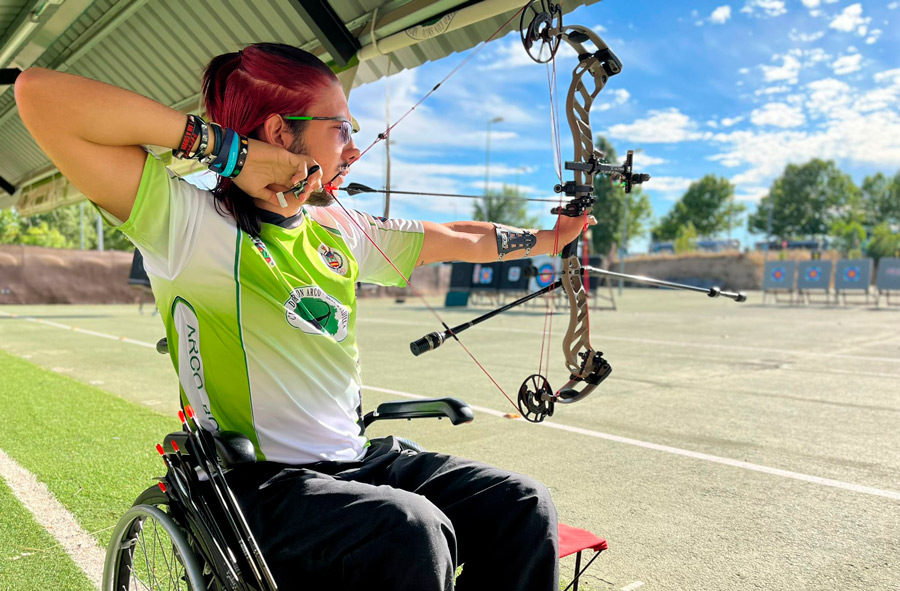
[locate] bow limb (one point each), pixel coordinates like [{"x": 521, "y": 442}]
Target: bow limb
[{"x": 586, "y": 366}]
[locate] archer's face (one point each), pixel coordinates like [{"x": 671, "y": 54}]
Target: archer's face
[{"x": 322, "y": 140}]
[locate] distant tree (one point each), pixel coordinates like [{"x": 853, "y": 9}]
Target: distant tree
[
  {"x": 849, "y": 235},
  {"x": 708, "y": 204},
  {"x": 806, "y": 200},
  {"x": 881, "y": 199},
  {"x": 507, "y": 206},
  {"x": 59, "y": 228},
  {"x": 686, "y": 239},
  {"x": 610, "y": 207},
  {"x": 883, "y": 243},
  {"x": 43, "y": 235},
  {"x": 10, "y": 226}
]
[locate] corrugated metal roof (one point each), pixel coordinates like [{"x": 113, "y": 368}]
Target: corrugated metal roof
[
  {"x": 9, "y": 11},
  {"x": 159, "y": 49}
]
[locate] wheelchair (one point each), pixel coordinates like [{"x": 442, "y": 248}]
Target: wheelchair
[{"x": 188, "y": 533}]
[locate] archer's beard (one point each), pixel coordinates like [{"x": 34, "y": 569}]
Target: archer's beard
[{"x": 319, "y": 198}]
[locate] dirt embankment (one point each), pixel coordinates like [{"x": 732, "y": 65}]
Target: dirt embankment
[
  {"x": 728, "y": 270},
  {"x": 36, "y": 275}
]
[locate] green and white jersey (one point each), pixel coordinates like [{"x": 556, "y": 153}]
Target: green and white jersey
[{"x": 262, "y": 332}]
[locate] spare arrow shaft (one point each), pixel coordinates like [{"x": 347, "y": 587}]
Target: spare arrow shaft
[{"x": 712, "y": 292}]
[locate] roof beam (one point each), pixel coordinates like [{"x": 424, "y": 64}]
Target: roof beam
[
  {"x": 328, "y": 28},
  {"x": 6, "y": 186}
]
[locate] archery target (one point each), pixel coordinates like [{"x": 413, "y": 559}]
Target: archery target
[
  {"x": 889, "y": 274},
  {"x": 779, "y": 275},
  {"x": 853, "y": 274},
  {"x": 814, "y": 275},
  {"x": 545, "y": 275}
]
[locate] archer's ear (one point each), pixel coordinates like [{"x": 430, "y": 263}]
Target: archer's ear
[{"x": 276, "y": 131}]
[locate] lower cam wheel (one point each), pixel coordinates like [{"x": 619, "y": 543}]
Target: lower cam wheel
[{"x": 536, "y": 399}]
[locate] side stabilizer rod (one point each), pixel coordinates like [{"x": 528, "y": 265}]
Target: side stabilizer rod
[{"x": 713, "y": 292}]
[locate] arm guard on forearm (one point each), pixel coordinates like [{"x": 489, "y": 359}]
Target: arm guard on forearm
[{"x": 511, "y": 239}]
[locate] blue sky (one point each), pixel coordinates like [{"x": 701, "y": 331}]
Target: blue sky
[{"x": 737, "y": 89}]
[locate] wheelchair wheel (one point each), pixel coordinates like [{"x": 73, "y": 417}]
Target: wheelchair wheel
[{"x": 150, "y": 552}]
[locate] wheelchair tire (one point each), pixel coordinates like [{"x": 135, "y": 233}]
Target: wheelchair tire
[{"x": 149, "y": 551}]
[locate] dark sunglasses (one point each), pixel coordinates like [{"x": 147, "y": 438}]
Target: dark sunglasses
[{"x": 348, "y": 126}]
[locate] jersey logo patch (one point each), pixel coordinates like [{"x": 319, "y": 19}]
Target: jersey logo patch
[
  {"x": 334, "y": 259},
  {"x": 315, "y": 312}
]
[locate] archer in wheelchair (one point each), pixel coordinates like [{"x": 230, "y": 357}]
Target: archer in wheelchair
[
  {"x": 255, "y": 282},
  {"x": 189, "y": 531}
]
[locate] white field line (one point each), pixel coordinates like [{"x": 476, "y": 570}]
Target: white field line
[
  {"x": 618, "y": 439},
  {"x": 92, "y": 333},
  {"x": 81, "y": 547},
  {"x": 890, "y": 494}
]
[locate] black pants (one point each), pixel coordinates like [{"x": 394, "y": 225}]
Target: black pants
[{"x": 400, "y": 520}]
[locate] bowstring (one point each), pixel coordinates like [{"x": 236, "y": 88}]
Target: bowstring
[
  {"x": 551, "y": 296},
  {"x": 383, "y": 136}
]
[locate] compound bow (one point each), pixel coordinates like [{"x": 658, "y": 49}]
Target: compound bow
[{"x": 542, "y": 32}]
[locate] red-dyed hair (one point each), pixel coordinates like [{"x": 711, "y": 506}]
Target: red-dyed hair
[{"x": 242, "y": 89}]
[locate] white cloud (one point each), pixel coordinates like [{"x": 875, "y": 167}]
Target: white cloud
[
  {"x": 661, "y": 127},
  {"x": 644, "y": 160},
  {"x": 855, "y": 127},
  {"x": 730, "y": 121},
  {"x": 778, "y": 115},
  {"x": 772, "y": 90},
  {"x": 768, "y": 8},
  {"x": 874, "y": 34},
  {"x": 811, "y": 3},
  {"x": 888, "y": 75},
  {"x": 751, "y": 194},
  {"x": 672, "y": 187},
  {"x": 805, "y": 37},
  {"x": 619, "y": 96},
  {"x": 893, "y": 5},
  {"x": 847, "y": 64},
  {"x": 851, "y": 19},
  {"x": 720, "y": 15},
  {"x": 787, "y": 71}
]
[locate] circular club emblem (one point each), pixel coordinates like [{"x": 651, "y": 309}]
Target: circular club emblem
[
  {"x": 545, "y": 275},
  {"x": 852, "y": 274},
  {"x": 334, "y": 259},
  {"x": 778, "y": 274},
  {"x": 315, "y": 312},
  {"x": 813, "y": 274}
]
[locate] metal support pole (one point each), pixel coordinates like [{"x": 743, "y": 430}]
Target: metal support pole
[{"x": 99, "y": 232}]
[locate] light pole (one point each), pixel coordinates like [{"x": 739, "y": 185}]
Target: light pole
[{"x": 487, "y": 163}]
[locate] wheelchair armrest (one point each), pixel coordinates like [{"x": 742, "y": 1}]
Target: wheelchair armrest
[
  {"x": 454, "y": 409},
  {"x": 232, "y": 448}
]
